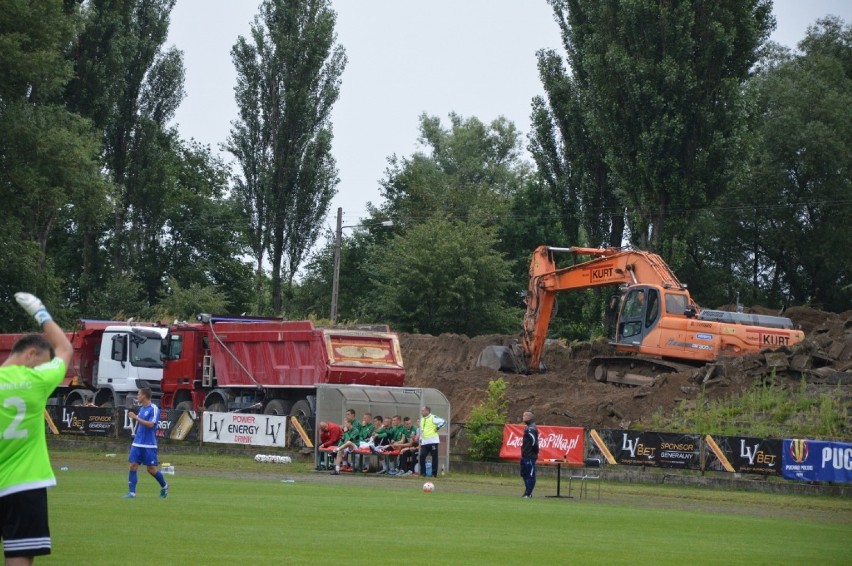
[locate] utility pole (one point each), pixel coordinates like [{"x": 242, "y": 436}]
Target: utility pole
[
  {"x": 338, "y": 238},
  {"x": 338, "y": 235}
]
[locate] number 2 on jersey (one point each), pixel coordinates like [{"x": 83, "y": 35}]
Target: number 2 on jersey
[{"x": 12, "y": 431}]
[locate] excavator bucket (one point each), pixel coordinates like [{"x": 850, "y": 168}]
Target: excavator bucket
[{"x": 508, "y": 359}]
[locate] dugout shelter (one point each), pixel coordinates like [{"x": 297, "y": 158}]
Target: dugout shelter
[{"x": 333, "y": 400}]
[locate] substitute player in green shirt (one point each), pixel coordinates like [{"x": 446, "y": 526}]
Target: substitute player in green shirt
[{"x": 35, "y": 366}]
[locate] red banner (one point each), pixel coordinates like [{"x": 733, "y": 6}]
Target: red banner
[{"x": 554, "y": 443}]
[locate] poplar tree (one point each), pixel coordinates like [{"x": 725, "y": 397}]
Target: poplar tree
[
  {"x": 288, "y": 79},
  {"x": 652, "y": 108},
  {"x": 129, "y": 85}
]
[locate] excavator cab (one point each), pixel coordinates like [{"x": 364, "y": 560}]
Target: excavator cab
[{"x": 640, "y": 311}]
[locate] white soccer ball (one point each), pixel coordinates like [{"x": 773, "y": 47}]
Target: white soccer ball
[{"x": 428, "y": 487}]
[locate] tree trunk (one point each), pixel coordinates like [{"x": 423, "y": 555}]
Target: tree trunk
[{"x": 277, "y": 255}]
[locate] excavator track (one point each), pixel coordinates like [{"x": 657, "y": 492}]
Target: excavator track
[{"x": 632, "y": 370}]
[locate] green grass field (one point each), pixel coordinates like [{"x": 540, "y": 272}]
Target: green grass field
[{"x": 231, "y": 510}]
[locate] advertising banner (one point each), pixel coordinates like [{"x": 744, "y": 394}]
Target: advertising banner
[
  {"x": 84, "y": 421},
  {"x": 164, "y": 425},
  {"x": 652, "y": 448},
  {"x": 815, "y": 460},
  {"x": 554, "y": 443},
  {"x": 743, "y": 455},
  {"x": 128, "y": 426},
  {"x": 241, "y": 428}
]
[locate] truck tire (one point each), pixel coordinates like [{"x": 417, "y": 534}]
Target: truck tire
[
  {"x": 302, "y": 411},
  {"x": 183, "y": 406},
  {"x": 217, "y": 407},
  {"x": 278, "y": 407}
]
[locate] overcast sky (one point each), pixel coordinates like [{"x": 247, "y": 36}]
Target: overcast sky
[{"x": 471, "y": 57}]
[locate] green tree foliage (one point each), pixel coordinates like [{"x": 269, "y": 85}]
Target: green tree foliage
[
  {"x": 313, "y": 295},
  {"x": 486, "y": 421},
  {"x": 793, "y": 207},
  {"x": 657, "y": 90},
  {"x": 105, "y": 203},
  {"x": 531, "y": 222},
  {"x": 130, "y": 87},
  {"x": 119, "y": 298},
  {"x": 442, "y": 276},
  {"x": 167, "y": 206},
  {"x": 468, "y": 172},
  {"x": 48, "y": 157},
  {"x": 200, "y": 242},
  {"x": 474, "y": 173},
  {"x": 186, "y": 302},
  {"x": 289, "y": 78},
  {"x": 571, "y": 160}
]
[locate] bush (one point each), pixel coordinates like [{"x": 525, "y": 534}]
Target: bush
[{"x": 485, "y": 425}]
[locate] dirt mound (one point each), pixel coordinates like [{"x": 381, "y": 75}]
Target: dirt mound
[{"x": 564, "y": 395}]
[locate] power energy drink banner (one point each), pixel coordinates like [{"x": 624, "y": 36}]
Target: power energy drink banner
[
  {"x": 241, "y": 428},
  {"x": 554, "y": 443},
  {"x": 652, "y": 448},
  {"x": 816, "y": 460},
  {"x": 743, "y": 455}
]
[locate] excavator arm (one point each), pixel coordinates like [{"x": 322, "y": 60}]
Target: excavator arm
[{"x": 608, "y": 266}]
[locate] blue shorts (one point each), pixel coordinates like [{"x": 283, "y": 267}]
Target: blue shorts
[{"x": 146, "y": 456}]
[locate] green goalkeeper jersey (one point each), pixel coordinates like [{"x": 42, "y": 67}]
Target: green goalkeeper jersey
[{"x": 24, "y": 462}]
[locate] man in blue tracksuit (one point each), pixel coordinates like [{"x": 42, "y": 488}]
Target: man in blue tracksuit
[{"x": 529, "y": 454}]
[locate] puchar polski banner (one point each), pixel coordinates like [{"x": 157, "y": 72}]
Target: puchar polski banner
[{"x": 817, "y": 460}]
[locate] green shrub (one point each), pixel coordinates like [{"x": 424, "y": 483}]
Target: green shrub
[{"x": 485, "y": 425}]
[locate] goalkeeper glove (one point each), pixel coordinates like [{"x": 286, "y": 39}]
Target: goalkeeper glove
[{"x": 34, "y": 307}]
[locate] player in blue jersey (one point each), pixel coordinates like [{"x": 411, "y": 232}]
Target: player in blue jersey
[{"x": 144, "y": 447}]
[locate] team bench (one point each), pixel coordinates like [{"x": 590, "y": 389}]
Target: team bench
[{"x": 361, "y": 453}]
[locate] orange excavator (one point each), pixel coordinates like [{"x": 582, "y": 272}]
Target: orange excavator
[{"x": 659, "y": 328}]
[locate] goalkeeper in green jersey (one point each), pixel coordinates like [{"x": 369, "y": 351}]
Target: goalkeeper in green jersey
[{"x": 35, "y": 366}]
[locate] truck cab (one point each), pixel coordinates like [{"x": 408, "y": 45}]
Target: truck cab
[{"x": 126, "y": 355}]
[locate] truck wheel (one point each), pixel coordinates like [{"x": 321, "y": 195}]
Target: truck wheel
[
  {"x": 183, "y": 406},
  {"x": 302, "y": 411},
  {"x": 107, "y": 404},
  {"x": 278, "y": 407},
  {"x": 217, "y": 407}
]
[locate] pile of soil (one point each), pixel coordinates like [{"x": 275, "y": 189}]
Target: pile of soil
[{"x": 565, "y": 395}]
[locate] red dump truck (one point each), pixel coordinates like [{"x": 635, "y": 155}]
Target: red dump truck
[
  {"x": 109, "y": 358},
  {"x": 228, "y": 364}
]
